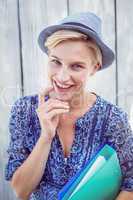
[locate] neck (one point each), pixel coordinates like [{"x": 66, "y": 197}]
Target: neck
[
  {"x": 79, "y": 101},
  {"x": 77, "y": 108}
]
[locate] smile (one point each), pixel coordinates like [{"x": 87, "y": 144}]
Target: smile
[{"x": 61, "y": 88}]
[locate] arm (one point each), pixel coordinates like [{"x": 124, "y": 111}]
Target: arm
[
  {"x": 125, "y": 195},
  {"x": 28, "y": 175},
  {"x": 25, "y": 169},
  {"x": 119, "y": 134}
]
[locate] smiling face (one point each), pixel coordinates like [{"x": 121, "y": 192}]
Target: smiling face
[{"x": 70, "y": 64}]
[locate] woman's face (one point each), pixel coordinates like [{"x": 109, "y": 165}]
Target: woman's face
[{"x": 69, "y": 66}]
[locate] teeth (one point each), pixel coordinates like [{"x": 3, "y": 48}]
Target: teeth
[{"x": 62, "y": 86}]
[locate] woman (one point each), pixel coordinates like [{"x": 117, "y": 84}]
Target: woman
[{"x": 54, "y": 133}]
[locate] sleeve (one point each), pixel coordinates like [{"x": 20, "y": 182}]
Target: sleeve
[
  {"x": 17, "y": 152},
  {"x": 120, "y": 136}
]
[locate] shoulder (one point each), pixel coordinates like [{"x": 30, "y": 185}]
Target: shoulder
[
  {"x": 118, "y": 129},
  {"x": 21, "y": 111},
  {"x": 117, "y": 125},
  {"x": 20, "y": 120},
  {"x": 24, "y": 104},
  {"x": 116, "y": 113},
  {"x": 28, "y": 100}
]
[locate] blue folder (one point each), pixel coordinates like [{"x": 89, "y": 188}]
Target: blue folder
[{"x": 99, "y": 179}]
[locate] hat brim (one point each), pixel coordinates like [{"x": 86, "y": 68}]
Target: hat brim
[{"x": 107, "y": 54}]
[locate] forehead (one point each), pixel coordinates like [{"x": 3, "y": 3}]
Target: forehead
[{"x": 73, "y": 50}]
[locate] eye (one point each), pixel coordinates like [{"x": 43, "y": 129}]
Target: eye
[
  {"x": 77, "y": 66},
  {"x": 56, "y": 62}
]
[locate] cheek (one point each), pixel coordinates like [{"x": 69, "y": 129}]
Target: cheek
[
  {"x": 80, "y": 84},
  {"x": 81, "y": 79},
  {"x": 51, "y": 73}
]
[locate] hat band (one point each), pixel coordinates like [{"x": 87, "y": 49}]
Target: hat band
[{"x": 80, "y": 25}]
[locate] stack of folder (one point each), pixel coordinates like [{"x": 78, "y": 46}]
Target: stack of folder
[{"x": 100, "y": 178}]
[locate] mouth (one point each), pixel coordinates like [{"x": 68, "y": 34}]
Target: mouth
[{"x": 62, "y": 88}]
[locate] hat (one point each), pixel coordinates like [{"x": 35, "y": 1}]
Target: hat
[{"x": 85, "y": 22}]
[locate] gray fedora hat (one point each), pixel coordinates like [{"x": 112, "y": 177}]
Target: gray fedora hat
[{"x": 84, "y": 22}]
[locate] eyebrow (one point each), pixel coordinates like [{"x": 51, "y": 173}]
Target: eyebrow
[{"x": 79, "y": 62}]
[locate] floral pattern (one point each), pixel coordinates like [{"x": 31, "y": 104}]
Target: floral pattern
[{"x": 103, "y": 123}]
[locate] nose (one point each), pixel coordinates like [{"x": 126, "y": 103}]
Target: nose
[{"x": 63, "y": 75}]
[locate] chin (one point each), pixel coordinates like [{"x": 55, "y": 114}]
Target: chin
[{"x": 63, "y": 97}]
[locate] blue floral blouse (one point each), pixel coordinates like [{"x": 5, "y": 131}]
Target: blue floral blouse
[{"x": 104, "y": 123}]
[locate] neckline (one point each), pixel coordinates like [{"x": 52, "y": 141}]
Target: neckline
[
  {"x": 89, "y": 110},
  {"x": 78, "y": 122}
]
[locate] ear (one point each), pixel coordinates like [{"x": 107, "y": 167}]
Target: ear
[{"x": 95, "y": 69}]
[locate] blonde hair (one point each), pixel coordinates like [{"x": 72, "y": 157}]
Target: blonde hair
[{"x": 63, "y": 35}]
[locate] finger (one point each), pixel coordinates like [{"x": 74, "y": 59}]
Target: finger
[
  {"x": 42, "y": 95},
  {"x": 57, "y": 112},
  {"x": 58, "y": 105},
  {"x": 56, "y": 101},
  {"x": 47, "y": 107},
  {"x": 47, "y": 90}
]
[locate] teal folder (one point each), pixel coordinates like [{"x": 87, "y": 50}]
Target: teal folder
[{"x": 100, "y": 178}]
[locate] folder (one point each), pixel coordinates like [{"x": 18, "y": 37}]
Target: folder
[{"x": 99, "y": 179}]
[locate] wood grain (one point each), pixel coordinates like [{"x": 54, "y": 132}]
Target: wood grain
[
  {"x": 103, "y": 83},
  {"x": 22, "y": 63}
]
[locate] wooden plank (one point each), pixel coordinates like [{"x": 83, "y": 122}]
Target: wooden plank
[
  {"x": 34, "y": 16},
  {"x": 103, "y": 83},
  {"x": 125, "y": 58},
  {"x": 10, "y": 81},
  {"x": 56, "y": 10}
]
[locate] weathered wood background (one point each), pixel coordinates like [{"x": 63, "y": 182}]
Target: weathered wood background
[{"x": 22, "y": 64}]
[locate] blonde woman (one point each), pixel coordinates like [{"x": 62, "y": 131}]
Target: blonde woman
[{"x": 54, "y": 133}]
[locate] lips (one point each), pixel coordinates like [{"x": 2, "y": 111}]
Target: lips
[{"x": 62, "y": 88}]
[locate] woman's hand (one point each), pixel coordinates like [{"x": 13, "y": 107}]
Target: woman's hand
[
  {"x": 125, "y": 195},
  {"x": 48, "y": 113}
]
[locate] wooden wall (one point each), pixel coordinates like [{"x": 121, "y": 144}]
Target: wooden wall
[{"x": 22, "y": 64}]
